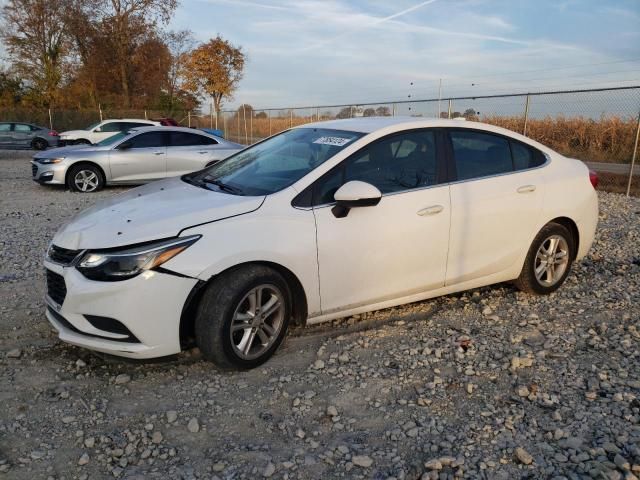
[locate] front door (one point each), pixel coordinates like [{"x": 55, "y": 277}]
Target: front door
[
  {"x": 396, "y": 248},
  {"x": 140, "y": 158}
]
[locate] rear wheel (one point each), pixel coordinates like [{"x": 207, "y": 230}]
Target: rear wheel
[
  {"x": 243, "y": 317},
  {"x": 85, "y": 178},
  {"x": 39, "y": 144},
  {"x": 549, "y": 260}
]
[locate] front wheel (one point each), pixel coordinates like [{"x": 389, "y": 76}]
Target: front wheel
[
  {"x": 85, "y": 179},
  {"x": 549, "y": 260},
  {"x": 243, "y": 317}
]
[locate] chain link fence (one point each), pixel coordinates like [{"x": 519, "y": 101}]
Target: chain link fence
[{"x": 598, "y": 126}]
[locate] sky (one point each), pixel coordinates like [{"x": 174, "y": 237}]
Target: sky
[{"x": 325, "y": 52}]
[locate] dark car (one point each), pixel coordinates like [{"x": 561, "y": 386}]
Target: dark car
[{"x": 15, "y": 134}]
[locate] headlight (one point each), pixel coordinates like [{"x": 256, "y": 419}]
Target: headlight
[
  {"x": 116, "y": 265},
  {"x": 50, "y": 160}
]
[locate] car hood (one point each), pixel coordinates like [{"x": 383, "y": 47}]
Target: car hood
[
  {"x": 154, "y": 211},
  {"x": 63, "y": 151}
]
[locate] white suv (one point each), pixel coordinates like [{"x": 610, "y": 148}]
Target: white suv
[{"x": 99, "y": 131}]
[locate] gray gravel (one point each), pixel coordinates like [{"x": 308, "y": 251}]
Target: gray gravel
[{"x": 489, "y": 384}]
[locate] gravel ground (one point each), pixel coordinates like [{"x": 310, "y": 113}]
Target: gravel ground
[{"x": 489, "y": 384}]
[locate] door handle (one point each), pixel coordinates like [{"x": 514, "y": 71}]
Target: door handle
[
  {"x": 432, "y": 210},
  {"x": 527, "y": 189},
  {"x": 158, "y": 153},
  {"x": 203, "y": 151}
]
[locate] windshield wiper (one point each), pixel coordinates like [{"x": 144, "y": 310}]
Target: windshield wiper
[{"x": 223, "y": 186}]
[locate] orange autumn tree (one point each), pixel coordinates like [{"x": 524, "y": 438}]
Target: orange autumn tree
[{"x": 214, "y": 69}]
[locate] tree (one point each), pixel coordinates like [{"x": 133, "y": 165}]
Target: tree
[
  {"x": 369, "y": 112},
  {"x": 36, "y": 38},
  {"x": 214, "y": 69},
  {"x": 383, "y": 112},
  {"x": 346, "y": 112},
  {"x": 470, "y": 114},
  {"x": 125, "y": 22},
  {"x": 11, "y": 90},
  {"x": 180, "y": 43}
]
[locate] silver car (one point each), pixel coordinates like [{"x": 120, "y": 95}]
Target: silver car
[
  {"x": 27, "y": 135},
  {"x": 134, "y": 157}
]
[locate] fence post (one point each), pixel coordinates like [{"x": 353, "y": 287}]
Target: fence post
[
  {"x": 50, "y": 120},
  {"x": 317, "y": 114},
  {"x": 224, "y": 124},
  {"x": 238, "y": 135},
  {"x": 526, "y": 114},
  {"x": 216, "y": 120},
  {"x": 244, "y": 120},
  {"x": 100, "y": 111},
  {"x": 351, "y": 111},
  {"x": 269, "y": 116},
  {"x": 633, "y": 158},
  {"x": 189, "y": 118},
  {"x": 449, "y": 110},
  {"x": 251, "y": 127},
  {"x": 290, "y": 118},
  {"x": 145, "y": 115},
  {"x": 393, "y": 109}
]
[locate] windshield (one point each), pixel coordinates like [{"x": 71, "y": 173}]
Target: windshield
[
  {"x": 112, "y": 139},
  {"x": 92, "y": 126},
  {"x": 274, "y": 164}
]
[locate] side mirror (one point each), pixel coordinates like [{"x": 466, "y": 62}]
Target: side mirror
[
  {"x": 355, "y": 194},
  {"x": 98, "y": 130},
  {"x": 125, "y": 145}
]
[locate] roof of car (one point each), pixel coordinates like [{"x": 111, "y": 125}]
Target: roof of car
[
  {"x": 371, "y": 124},
  {"x": 130, "y": 120},
  {"x": 169, "y": 128}
]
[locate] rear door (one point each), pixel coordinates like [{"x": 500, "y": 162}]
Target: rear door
[
  {"x": 140, "y": 158},
  {"x": 187, "y": 152},
  {"x": 22, "y": 134},
  {"x": 496, "y": 201}
]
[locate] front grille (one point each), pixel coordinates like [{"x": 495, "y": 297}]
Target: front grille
[
  {"x": 34, "y": 169},
  {"x": 62, "y": 256},
  {"x": 56, "y": 288}
]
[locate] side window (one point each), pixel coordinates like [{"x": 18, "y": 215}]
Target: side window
[
  {"x": 129, "y": 125},
  {"x": 207, "y": 140},
  {"x": 525, "y": 157},
  {"x": 393, "y": 164},
  {"x": 21, "y": 127},
  {"x": 5, "y": 127},
  {"x": 113, "y": 127},
  {"x": 478, "y": 154},
  {"x": 148, "y": 140},
  {"x": 184, "y": 139}
]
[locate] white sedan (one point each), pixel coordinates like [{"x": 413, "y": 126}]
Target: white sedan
[{"x": 318, "y": 222}]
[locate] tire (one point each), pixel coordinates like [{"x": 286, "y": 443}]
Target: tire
[
  {"x": 85, "y": 178},
  {"x": 560, "y": 241},
  {"x": 39, "y": 144},
  {"x": 225, "y": 309}
]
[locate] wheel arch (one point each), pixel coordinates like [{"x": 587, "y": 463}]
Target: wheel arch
[
  {"x": 84, "y": 162},
  {"x": 188, "y": 315},
  {"x": 570, "y": 225}
]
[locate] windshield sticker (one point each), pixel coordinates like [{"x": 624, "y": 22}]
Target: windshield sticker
[{"x": 335, "y": 141}]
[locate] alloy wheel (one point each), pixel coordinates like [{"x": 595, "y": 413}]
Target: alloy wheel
[
  {"x": 257, "y": 321},
  {"x": 86, "y": 180},
  {"x": 551, "y": 260}
]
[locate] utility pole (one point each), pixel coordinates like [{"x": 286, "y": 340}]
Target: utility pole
[{"x": 439, "y": 97}]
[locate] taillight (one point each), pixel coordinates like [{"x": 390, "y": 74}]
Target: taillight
[
  {"x": 53, "y": 133},
  {"x": 593, "y": 178}
]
